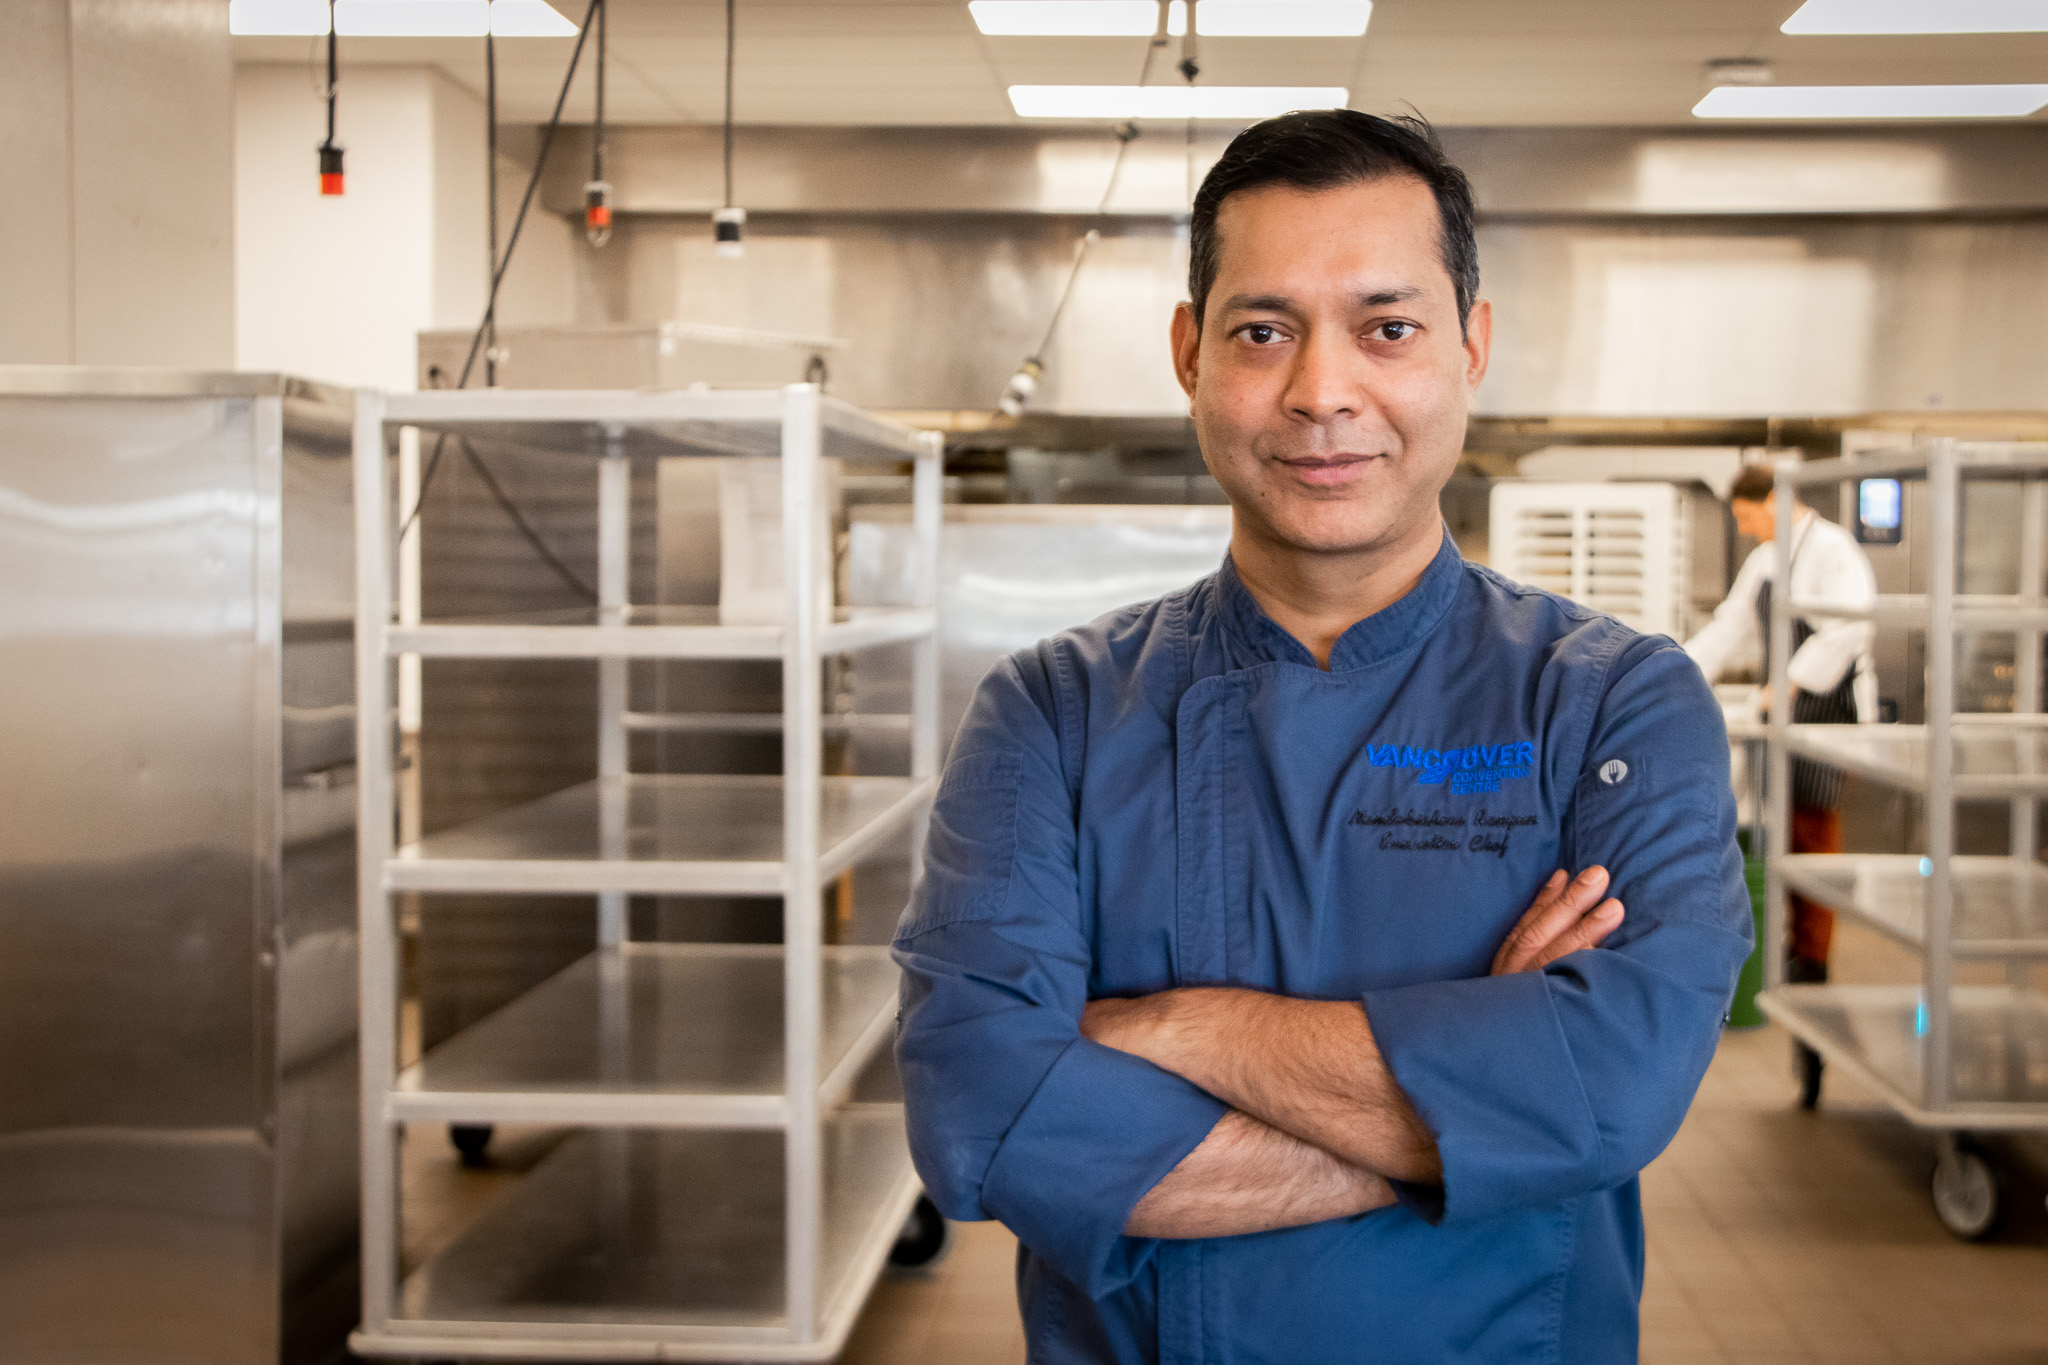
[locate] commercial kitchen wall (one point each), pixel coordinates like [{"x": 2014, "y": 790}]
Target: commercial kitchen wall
[
  {"x": 1636, "y": 272},
  {"x": 338, "y": 288},
  {"x": 1627, "y": 316},
  {"x": 117, "y": 183}
]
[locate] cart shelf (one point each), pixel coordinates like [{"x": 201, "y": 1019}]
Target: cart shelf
[
  {"x": 1999, "y": 1055},
  {"x": 656, "y": 834},
  {"x": 723, "y": 422},
  {"x": 661, "y": 1244},
  {"x": 646, "y": 633},
  {"x": 2001, "y": 757},
  {"x": 654, "y": 1033},
  {"x": 2001, "y": 904},
  {"x": 1974, "y": 459},
  {"x": 1973, "y": 611},
  {"x": 717, "y": 1196}
]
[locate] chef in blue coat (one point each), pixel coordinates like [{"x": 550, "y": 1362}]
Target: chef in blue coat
[{"x": 1306, "y": 962}]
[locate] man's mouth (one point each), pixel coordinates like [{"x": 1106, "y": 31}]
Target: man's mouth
[{"x": 1329, "y": 470}]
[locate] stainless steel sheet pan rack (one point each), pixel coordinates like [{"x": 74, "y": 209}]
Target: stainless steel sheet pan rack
[
  {"x": 1960, "y": 1059},
  {"x": 722, "y": 1196}
]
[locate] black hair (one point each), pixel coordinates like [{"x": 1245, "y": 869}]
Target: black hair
[
  {"x": 1320, "y": 149},
  {"x": 1755, "y": 483}
]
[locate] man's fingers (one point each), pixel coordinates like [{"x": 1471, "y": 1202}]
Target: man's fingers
[
  {"x": 1557, "y": 908},
  {"x": 1592, "y": 927},
  {"x": 1511, "y": 946}
]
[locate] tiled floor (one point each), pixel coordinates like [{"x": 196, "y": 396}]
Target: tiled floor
[{"x": 1776, "y": 1236}]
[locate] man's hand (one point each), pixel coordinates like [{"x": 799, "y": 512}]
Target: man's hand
[{"x": 1565, "y": 917}]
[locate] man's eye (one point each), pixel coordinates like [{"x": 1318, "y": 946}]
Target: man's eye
[
  {"x": 1394, "y": 331},
  {"x": 1261, "y": 334}
]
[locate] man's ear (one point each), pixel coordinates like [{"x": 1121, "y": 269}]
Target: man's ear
[
  {"x": 1187, "y": 347},
  {"x": 1478, "y": 346}
]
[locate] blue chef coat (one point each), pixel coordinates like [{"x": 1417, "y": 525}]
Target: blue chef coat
[{"x": 1176, "y": 796}]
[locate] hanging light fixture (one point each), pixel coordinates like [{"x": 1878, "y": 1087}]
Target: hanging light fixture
[
  {"x": 332, "y": 182},
  {"x": 597, "y": 192},
  {"x": 1023, "y": 384},
  {"x": 728, "y": 225}
]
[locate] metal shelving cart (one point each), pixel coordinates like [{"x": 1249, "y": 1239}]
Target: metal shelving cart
[
  {"x": 725, "y": 1194},
  {"x": 1959, "y": 1059}
]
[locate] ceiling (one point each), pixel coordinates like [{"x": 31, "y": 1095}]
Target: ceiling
[{"x": 922, "y": 62}]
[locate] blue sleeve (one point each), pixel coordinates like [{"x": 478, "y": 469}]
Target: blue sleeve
[
  {"x": 1548, "y": 1085},
  {"x": 1013, "y": 1115}
]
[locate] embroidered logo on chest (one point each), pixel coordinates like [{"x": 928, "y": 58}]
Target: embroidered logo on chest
[{"x": 1473, "y": 768}]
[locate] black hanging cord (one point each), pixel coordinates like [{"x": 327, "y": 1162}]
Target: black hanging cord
[
  {"x": 489, "y": 324},
  {"x": 491, "y": 200},
  {"x": 597, "y": 129},
  {"x": 1126, "y": 134},
  {"x": 1189, "y": 69},
  {"x": 554, "y": 561},
  {"x": 333, "y": 75},
  {"x": 729, "y": 4}
]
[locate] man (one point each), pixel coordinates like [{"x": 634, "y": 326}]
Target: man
[
  {"x": 1833, "y": 676},
  {"x": 1219, "y": 989}
]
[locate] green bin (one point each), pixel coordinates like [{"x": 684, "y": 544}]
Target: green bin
[{"x": 1744, "y": 1012}]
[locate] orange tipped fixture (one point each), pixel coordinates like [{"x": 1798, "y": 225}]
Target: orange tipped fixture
[
  {"x": 597, "y": 212},
  {"x": 331, "y": 178}
]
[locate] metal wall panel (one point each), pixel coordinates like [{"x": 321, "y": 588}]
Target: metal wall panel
[
  {"x": 1550, "y": 171},
  {"x": 1692, "y": 317},
  {"x": 176, "y": 944}
]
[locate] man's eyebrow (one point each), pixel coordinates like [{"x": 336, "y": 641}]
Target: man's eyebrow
[
  {"x": 1258, "y": 303},
  {"x": 1280, "y": 303}
]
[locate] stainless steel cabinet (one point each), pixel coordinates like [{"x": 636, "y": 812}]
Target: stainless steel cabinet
[{"x": 177, "y": 869}]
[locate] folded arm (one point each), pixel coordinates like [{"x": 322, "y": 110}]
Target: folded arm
[
  {"x": 1311, "y": 1068},
  {"x": 1522, "y": 1088},
  {"x": 1248, "y": 1176}
]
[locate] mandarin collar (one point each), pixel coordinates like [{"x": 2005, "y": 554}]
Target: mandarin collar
[{"x": 1385, "y": 633}]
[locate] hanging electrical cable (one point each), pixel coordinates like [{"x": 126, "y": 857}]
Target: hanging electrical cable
[
  {"x": 597, "y": 195},
  {"x": 491, "y": 194},
  {"x": 1023, "y": 384},
  {"x": 488, "y": 324},
  {"x": 728, "y": 225},
  {"x": 331, "y": 179},
  {"x": 1189, "y": 69}
]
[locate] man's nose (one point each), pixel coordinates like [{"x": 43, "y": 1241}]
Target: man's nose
[{"x": 1329, "y": 380}]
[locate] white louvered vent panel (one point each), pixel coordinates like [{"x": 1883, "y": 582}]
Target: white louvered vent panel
[{"x": 1615, "y": 547}]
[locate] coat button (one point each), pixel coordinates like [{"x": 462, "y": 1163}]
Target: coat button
[{"x": 1613, "y": 771}]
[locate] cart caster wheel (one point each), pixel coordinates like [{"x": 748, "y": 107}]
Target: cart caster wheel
[
  {"x": 924, "y": 1239},
  {"x": 1808, "y": 1066},
  {"x": 1967, "y": 1194},
  {"x": 473, "y": 1141}
]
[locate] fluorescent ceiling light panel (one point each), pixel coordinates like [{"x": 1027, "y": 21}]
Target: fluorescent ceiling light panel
[
  {"x": 1919, "y": 16},
  {"x": 1137, "y": 18},
  {"x": 1172, "y": 101},
  {"x": 278, "y": 18},
  {"x": 1065, "y": 18},
  {"x": 400, "y": 18},
  {"x": 1272, "y": 18},
  {"x": 529, "y": 19},
  {"x": 1871, "y": 101},
  {"x": 412, "y": 18}
]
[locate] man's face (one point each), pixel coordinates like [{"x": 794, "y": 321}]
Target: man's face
[
  {"x": 1329, "y": 382},
  {"x": 1753, "y": 517}
]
